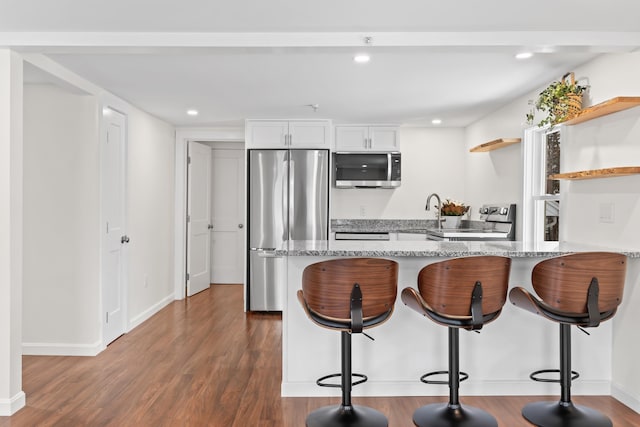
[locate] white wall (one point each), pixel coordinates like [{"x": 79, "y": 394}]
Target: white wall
[
  {"x": 150, "y": 218},
  {"x": 432, "y": 162},
  {"x": 61, "y": 219},
  {"x": 496, "y": 176},
  {"x": 62, "y": 293},
  {"x": 605, "y": 142}
]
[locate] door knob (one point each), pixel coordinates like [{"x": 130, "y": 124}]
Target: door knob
[
  {"x": 240, "y": 225},
  {"x": 124, "y": 239},
  {"x": 210, "y": 227}
]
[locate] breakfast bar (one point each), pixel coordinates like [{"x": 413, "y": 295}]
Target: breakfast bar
[{"x": 498, "y": 360}]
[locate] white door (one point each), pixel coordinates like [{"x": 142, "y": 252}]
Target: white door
[
  {"x": 227, "y": 213},
  {"x": 113, "y": 228},
  {"x": 198, "y": 218}
]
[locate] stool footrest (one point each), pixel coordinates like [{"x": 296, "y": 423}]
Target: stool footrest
[
  {"x": 536, "y": 375},
  {"x": 424, "y": 378},
  {"x": 321, "y": 381}
]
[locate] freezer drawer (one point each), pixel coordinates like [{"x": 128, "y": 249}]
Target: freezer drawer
[{"x": 266, "y": 281}]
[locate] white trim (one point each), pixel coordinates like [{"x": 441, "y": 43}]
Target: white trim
[
  {"x": 625, "y": 397},
  {"x": 148, "y": 313},
  {"x": 62, "y": 349},
  {"x": 183, "y": 136},
  {"x": 60, "y": 42},
  {"x": 468, "y": 388},
  {"x": 9, "y": 407}
]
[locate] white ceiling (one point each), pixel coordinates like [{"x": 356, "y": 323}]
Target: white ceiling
[{"x": 269, "y": 59}]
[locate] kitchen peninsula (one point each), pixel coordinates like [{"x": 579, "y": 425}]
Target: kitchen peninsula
[{"x": 498, "y": 360}]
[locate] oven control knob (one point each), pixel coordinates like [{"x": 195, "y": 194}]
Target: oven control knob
[{"x": 503, "y": 211}]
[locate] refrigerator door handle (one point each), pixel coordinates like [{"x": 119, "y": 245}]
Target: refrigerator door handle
[
  {"x": 292, "y": 205},
  {"x": 285, "y": 199}
]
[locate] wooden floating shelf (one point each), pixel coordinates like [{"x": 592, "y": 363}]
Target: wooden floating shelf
[
  {"x": 608, "y": 107},
  {"x": 494, "y": 145},
  {"x": 598, "y": 173}
]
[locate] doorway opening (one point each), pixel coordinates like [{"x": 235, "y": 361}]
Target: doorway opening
[{"x": 216, "y": 209}]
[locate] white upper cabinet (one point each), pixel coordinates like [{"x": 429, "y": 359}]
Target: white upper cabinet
[
  {"x": 288, "y": 134},
  {"x": 367, "y": 138}
]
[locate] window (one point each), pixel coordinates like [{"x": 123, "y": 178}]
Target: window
[{"x": 541, "y": 204}]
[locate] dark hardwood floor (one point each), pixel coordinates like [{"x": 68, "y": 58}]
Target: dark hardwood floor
[{"x": 203, "y": 362}]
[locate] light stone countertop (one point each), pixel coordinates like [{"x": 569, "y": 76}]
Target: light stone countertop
[{"x": 395, "y": 248}]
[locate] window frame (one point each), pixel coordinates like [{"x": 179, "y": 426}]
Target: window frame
[{"x": 534, "y": 183}]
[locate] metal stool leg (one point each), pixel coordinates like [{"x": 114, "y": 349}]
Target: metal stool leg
[
  {"x": 346, "y": 414},
  {"x": 564, "y": 413},
  {"x": 453, "y": 414}
]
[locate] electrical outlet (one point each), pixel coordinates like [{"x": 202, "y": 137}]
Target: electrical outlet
[
  {"x": 363, "y": 212},
  {"x": 146, "y": 281},
  {"x": 606, "y": 213}
]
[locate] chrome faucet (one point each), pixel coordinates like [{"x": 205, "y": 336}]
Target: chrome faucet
[{"x": 439, "y": 205}]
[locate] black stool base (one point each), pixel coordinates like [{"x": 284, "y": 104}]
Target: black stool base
[
  {"x": 346, "y": 416},
  {"x": 445, "y": 415},
  {"x": 559, "y": 414}
]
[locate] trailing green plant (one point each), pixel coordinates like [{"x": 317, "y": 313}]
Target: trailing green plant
[{"x": 556, "y": 100}]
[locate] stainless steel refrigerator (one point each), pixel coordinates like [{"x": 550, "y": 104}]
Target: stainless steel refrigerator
[{"x": 288, "y": 200}]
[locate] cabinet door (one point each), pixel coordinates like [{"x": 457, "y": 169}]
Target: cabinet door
[
  {"x": 352, "y": 138},
  {"x": 384, "y": 138},
  {"x": 310, "y": 134},
  {"x": 266, "y": 134}
]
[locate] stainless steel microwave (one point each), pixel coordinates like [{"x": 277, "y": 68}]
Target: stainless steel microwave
[{"x": 367, "y": 170}]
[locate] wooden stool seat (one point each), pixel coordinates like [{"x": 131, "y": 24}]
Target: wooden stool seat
[
  {"x": 460, "y": 293},
  {"x": 582, "y": 290},
  {"x": 348, "y": 295}
]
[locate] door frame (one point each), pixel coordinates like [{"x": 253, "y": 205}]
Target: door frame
[
  {"x": 224, "y": 138},
  {"x": 125, "y": 252}
]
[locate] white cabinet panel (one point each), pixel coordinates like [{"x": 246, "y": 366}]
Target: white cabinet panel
[
  {"x": 352, "y": 138},
  {"x": 367, "y": 138},
  {"x": 384, "y": 138},
  {"x": 288, "y": 134}
]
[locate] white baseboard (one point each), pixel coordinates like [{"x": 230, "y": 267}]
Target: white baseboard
[
  {"x": 145, "y": 315},
  {"x": 61, "y": 349},
  {"x": 64, "y": 349},
  {"x": 627, "y": 398},
  {"x": 9, "y": 407},
  {"x": 468, "y": 388}
]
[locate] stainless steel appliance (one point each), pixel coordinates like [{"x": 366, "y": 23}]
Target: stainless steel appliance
[
  {"x": 288, "y": 200},
  {"x": 500, "y": 224},
  {"x": 367, "y": 170}
]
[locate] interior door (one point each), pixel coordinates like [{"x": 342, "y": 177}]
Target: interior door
[
  {"x": 198, "y": 217},
  {"x": 227, "y": 216},
  {"x": 114, "y": 236}
]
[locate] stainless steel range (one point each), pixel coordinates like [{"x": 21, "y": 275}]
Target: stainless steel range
[{"x": 499, "y": 224}]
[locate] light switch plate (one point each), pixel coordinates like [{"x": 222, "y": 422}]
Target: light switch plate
[{"x": 607, "y": 213}]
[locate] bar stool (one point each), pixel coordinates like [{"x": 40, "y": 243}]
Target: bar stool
[
  {"x": 460, "y": 293},
  {"x": 580, "y": 289},
  {"x": 348, "y": 295}
]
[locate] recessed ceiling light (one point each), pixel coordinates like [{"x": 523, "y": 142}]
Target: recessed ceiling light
[
  {"x": 361, "y": 58},
  {"x": 436, "y": 121},
  {"x": 192, "y": 112},
  {"x": 524, "y": 55}
]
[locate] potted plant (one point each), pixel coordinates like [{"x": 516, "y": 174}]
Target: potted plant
[
  {"x": 452, "y": 211},
  {"x": 561, "y": 101}
]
